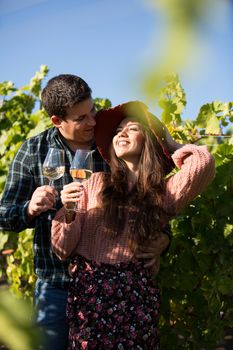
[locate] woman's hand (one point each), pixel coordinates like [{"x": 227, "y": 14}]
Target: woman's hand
[
  {"x": 171, "y": 144},
  {"x": 71, "y": 193},
  {"x": 70, "y": 196}
]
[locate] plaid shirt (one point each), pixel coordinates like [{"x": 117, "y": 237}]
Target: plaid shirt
[{"x": 25, "y": 175}]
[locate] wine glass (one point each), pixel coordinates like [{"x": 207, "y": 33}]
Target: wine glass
[
  {"x": 81, "y": 166},
  {"x": 54, "y": 164}
]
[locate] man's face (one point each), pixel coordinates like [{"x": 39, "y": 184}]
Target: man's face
[{"x": 78, "y": 126}]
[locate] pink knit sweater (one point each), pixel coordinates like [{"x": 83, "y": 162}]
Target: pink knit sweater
[{"x": 87, "y": 236}]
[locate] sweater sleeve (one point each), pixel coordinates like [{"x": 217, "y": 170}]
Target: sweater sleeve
[
  {"x": 65, "y": 237},
  {"x": 196, "y": 170}
]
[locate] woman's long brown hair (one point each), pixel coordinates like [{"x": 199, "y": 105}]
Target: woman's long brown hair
[{"x": 144, "y": 202}]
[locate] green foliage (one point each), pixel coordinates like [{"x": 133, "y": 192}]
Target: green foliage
[
  {"x": 182, "y": 39},
  {"x": 16, "y": 331},
  {"x": 18, "y": 118},
  {"x": 19, "y": 264},
  {"x": 172, "y": 100},
  {"x": 196, "y": 275},
  {"x": 101, "y": 103},
  {"x": 214, "y": 116}
]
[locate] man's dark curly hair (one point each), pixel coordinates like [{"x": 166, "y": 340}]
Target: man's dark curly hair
[{"x": 63, "y": 92}]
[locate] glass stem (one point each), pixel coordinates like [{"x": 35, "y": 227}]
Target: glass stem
[{"x": 76, "y": 204}]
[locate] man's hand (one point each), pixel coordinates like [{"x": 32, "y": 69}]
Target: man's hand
[
  {"x": 152, "y": 250},
  {"x": 43, "y": 199}
]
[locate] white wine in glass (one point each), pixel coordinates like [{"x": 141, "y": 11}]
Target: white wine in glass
[{"x": 54, "y": 164}]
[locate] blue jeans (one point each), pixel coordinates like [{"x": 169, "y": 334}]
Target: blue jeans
[{"x": 50, "y": 303}]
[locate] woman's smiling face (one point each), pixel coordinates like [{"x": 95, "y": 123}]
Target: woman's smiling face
[{"x": 129, "y": 140}]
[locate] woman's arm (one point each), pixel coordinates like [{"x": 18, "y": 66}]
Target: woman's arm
[
  {"x": 197, "y": 170},
  {"x": 66, "y": 226},
  {"x": 65, "y": 236}
]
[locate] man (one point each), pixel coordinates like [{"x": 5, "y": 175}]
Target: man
[{"x": 29, "y": 202}]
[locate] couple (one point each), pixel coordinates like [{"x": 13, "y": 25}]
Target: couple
[{"x": 121, "y": 220}]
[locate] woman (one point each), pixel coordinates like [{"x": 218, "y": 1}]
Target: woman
[{"x": 113, "y": 300}]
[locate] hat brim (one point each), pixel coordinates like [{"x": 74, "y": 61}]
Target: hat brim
[{"x": 107, "y": 121}]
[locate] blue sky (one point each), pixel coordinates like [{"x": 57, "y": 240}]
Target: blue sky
[{"x": 109, "y": 43}]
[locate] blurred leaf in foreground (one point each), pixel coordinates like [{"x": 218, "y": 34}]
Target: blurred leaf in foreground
[{"x": 16, "y": 328}]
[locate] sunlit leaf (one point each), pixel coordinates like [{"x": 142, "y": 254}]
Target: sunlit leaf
[{"x": 212, "y": 125}]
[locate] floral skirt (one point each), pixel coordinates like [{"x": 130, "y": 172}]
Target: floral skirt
[{"x": 112, "y": 307}]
